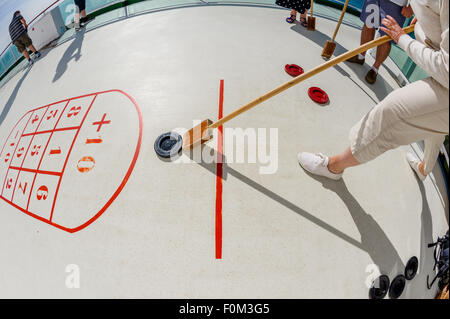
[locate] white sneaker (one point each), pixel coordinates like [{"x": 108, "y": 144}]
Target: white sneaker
[
  {"x": 414, "y": 163},
  {"x": 316, "y": 164}
]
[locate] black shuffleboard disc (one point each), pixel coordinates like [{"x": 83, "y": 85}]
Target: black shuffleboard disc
[
  {"x": 411, "y": 268},
  {"x": 380, "y": 287},
  {"x": 397, "y": 287},
  {"x": 168, "y": 144}
]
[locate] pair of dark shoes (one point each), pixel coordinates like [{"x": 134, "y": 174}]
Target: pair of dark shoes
[
  {"x": 31, "y": 61},
  {"x": 291, "y": 20},
  {"x": 371, "y": 76}
]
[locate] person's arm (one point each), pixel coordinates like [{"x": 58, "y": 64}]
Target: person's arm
[
  {"x": 407, "y": 11},
  {"x": 434, "y": 62},
  {"x": 24, "y": 23}
]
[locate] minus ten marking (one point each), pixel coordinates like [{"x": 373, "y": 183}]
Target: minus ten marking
[
  {"x": 55, "y": 151},
  {"x": 94, "y": 141}
]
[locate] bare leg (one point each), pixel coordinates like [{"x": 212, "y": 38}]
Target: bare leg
[
  {"x": 83, "y": 13},
  {"x": 304, "y": 15},
  {"x": 77, "y": 17},
  {"x": 382, "y": 54},
  {"x": 367, "y": 35},
  {"x": 32, "y": 48},
  {"x": 25, "y": 54},
  {"x": 338, "y": 163}
]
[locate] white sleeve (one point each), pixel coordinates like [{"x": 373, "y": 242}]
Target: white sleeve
[{"x": 434, "y": 62}]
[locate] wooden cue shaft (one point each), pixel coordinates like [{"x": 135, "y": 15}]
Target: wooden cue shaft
[
  {"x": 307, "y": 75},
  {"x": 340, "y": 20}
]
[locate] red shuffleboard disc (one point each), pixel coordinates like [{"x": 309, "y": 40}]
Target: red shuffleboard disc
[
  {"x": 318, "y": 95},
  {"x": 293, "y": 69}
]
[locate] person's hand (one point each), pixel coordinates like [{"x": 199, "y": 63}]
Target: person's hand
[
  {"x": 407, "y": 12},
  {"x": 392, "y": 28}
]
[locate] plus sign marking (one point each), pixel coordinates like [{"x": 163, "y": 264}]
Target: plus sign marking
[{"x": 101, "y": 123}]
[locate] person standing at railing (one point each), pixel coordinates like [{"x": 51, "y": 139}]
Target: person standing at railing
[
  {"x": 372, "y": 13},
  {"x": 80, "y": 8},
  {"x": 301, "y": 6},
  {"x": 418, "y": 111},
  {"x": 19, "y": 37}
]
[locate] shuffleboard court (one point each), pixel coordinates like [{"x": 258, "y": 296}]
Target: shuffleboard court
[
  {"x": 53, "y": 148},
  {"x": 139, "y": 226}
]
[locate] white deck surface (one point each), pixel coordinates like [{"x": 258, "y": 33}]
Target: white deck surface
[{"x": 285, "y": 235}]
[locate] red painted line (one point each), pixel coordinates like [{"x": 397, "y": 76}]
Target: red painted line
[
  {"x": 45, "y": 149},
  {"x": 14, "y": 128},
  {"x": 68, "y": 155},
  {"x": 35, "y": 171},
  {"x": 14, "y": 153},
  {"x": 35, "y": 216},
  {"x": 219, "y": 175},
  {"x": 26, "y": 153},
  {"x": 54, "y": 130},
  {"x": 1, "y": 154}
]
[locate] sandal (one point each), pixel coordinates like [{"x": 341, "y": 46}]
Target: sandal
[
  {"x": 303, "y": 22},
  {"x": 291, "y": 19}
]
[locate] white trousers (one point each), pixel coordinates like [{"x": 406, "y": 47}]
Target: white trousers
[{"x": 418, "y": 111}]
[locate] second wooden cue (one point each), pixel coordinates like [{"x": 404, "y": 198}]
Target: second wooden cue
[{"x": 329, "y": 47}]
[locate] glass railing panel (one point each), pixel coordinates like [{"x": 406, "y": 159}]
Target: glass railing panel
[
  {"x": 8, "y": 57},
  {"x": 417, "y": 74},
  {"x": 149, "y": 5},
  {"x": 106, "y": 18},
  {"x": 400, "y": 58},
  {"x": 334, "y": 14},
  {"x": 67, "y": 8},
  {"x": 2, "y": 68},
  {"x": 319, "y": 9},
  {"x": 355, "y": 4}
]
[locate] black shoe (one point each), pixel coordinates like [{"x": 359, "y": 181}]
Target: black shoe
[
  {"x": 356, "y": 59},
  {"x": 371, "y": 76},
  {"x": 85, "y": 20}
]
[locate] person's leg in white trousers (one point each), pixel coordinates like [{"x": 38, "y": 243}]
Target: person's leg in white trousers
[{"x": 418, "y": 111}]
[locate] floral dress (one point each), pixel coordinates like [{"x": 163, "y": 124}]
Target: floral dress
[{"x": 298, "y": 5}]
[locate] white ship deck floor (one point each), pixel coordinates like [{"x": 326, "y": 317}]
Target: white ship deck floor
[{"x": 285, "y": 235}]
